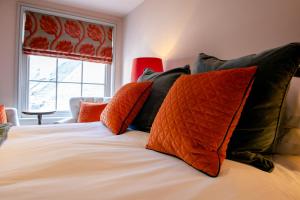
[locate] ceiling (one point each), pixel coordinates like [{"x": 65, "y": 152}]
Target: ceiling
[{"x": 118, "y": 8}]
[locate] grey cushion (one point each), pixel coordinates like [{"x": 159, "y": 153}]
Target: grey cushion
[{"x": 162, "y": 82}]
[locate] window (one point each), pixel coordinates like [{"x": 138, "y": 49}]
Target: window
[
  {"x": 60, "y": 56},
  {"x": 53, "y": 81}
]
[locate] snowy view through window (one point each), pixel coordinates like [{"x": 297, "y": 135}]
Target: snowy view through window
[{"x": 53, "y": 81}]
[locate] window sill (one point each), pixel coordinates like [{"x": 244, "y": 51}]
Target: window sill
[{"x": 34, "y": 120}]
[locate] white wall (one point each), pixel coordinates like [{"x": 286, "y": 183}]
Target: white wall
[
  {"x": 177, "y": 30},
  {"x": 8, "y": 35},
  {"x": 7, "y": 52}
]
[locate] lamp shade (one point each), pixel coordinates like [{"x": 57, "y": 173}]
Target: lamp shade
[{"x": 140, "y": 64}]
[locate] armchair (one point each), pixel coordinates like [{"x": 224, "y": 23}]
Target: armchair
[
  {"x": 74, "y": 104},
  {"x": 12, "y": 116}
]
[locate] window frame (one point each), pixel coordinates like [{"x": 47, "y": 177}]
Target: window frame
[
  {"x": 23, "y": 61},
  {"x": 25, "y": 93}
]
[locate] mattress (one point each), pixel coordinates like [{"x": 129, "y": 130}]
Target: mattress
[{"x": 86, "y": 161}]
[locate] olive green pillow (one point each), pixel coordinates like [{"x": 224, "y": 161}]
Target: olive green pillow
[
  {"x": 257, "y": 132},
  {"x": 3, "y": 132}
]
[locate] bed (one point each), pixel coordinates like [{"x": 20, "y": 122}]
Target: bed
[{"x": 87, "y": 161}]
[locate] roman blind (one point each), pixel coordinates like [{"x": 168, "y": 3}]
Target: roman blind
[{"x": 49, "y": 35}]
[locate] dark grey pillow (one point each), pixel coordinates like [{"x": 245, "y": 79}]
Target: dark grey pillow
[
  {"x": 162, "y": 82},
  {"x": 257, "y": 132},
  {"x": 206, "y": 63}
]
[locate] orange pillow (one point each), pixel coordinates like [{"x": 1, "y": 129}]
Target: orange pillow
[
  {"x": 125, "y": 105},
  {"x": 90, "y": 112},
  {"x": 198, "y": 116},
  {"x": 3, "y": 117}
]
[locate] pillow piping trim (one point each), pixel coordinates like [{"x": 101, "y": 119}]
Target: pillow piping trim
[
  {"x": 221, "y": 144},
  {"x": 132, "y": 108},
  {"x": 148, "y": 120},
  {"x": 239, "y": 107}
]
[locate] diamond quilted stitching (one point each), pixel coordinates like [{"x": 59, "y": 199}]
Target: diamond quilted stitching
[
  {"x": 125, "y": 105},
  {"x": 199, "y": 115}
]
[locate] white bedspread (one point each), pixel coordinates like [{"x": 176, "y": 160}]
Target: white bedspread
[{"x": 85, "y": 161}]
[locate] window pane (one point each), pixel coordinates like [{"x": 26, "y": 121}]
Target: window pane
[
  {"x": 69, "y": 70},
  {"x": 42, "y": 68},
  {"x": 89, "y": 90},
  {"x": 64, "y": 92},
  {"x": 93, "y": 72},
  {"x": 41, "y": 96}
]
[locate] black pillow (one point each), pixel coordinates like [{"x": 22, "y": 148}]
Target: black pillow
[
  {"x": 258, "y": 129},
  {"x": 162, "y": 82}
]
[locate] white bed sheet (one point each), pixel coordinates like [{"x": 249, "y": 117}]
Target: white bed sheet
[{"x": 86, "y": 161}]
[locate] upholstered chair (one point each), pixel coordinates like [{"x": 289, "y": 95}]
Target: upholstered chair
[
  {"x": 74, "y": 104},
  {"x": 12, "y": 116}
]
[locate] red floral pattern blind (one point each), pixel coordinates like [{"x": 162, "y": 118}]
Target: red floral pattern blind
[{"x": 57, "y": 36}]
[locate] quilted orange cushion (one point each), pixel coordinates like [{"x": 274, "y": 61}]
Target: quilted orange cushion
[
  {"x": 198, "y": 116},
  {"x": 3, "y": 118},
  {"x": 90, "y": 112},
  {"x": 125, "y": 105}
]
